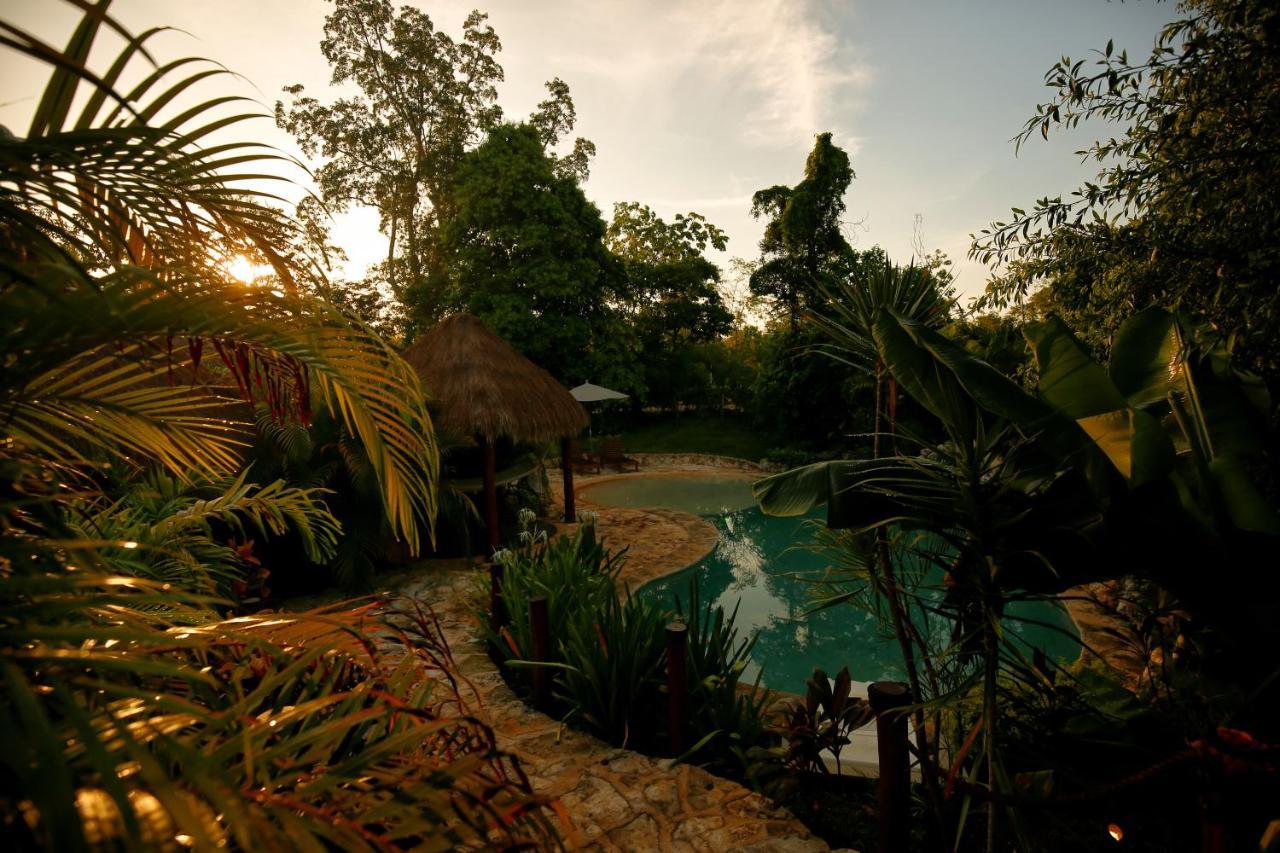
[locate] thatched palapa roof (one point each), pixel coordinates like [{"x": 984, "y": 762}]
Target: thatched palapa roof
[{"x": 480, "y": 384}]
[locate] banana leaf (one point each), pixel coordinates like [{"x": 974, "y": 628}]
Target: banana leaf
[{"x": 1081, "y": 389}]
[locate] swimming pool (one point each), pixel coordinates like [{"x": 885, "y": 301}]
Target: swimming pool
[{"x": 750, "y": 568}]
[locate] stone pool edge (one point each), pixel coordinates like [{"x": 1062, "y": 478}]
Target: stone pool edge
[{"x": 677, "y": 539}]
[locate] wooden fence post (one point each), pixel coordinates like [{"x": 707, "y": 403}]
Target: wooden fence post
[
  {"x": 490, "y": 494},
  {"x": 677, "y": 686},
  {"x": 894, "y": 822},
  {"x": 541, "y": 626}
]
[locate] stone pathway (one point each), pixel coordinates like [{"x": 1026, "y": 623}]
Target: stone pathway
[
  {"x": 1092, "y": 608},
  {"x": 608, "y": 799}
]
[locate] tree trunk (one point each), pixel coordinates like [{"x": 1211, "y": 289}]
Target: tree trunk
[
  {"x": 902, "y": 630},
  {"x": 391, "y": 253},
  {"x": 992, "y": 655},
  {"x": 491, "y": 494},
  {"x": 566, "y": 469}
]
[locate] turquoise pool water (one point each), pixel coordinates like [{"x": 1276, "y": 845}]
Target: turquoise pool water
[{"x": 750, "y": 567}]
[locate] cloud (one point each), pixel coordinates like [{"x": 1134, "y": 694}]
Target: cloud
[
  {"x": 776, "y": 71},
  {"x": 795, "y": 69}
]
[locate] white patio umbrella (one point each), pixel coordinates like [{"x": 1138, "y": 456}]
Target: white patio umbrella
[{"x": 588, "y": 393}]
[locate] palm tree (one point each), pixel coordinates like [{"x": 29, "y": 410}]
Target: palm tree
[
  {"x": 132, "y": 712},
  {"x": 847, "y": 320}
]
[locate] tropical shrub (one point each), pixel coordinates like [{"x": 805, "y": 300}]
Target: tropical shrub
[
  {"x": 729, "y": 714},
  {"x": 135, "y": 714},
  {"x": 611, "y": 680},
  {"x": 608, "y": 651},
  {"x": 323, "y": 456},
  {"x": 1138, "y": 468},
  {"x": 789, "y": 457},
  {"x": 810, "y": 729},
  {"x": 823, "y": 722},
  {"x": 575, "y": 574},
  {"x": 198, "y": 536}
]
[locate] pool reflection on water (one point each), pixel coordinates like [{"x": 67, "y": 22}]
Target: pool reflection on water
[{"x": 754, "y": 567}]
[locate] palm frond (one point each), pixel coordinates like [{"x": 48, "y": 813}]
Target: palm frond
[
  {"x": 131, "y": 713},
  {"x": 278, "y": 348},
  {"x": 848, "y": 316},
  {"x": 117, "y": 185},
  {"x": 291, "y": 732}
]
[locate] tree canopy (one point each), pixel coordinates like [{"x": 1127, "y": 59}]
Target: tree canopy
[
  {"x": 1181, "y": 213},
  {"x": 803, "y": 242},
  {"x": 670, "y": 297},
  {"x": 422, "y": 100},
  {"x": 526, "y": 253}
]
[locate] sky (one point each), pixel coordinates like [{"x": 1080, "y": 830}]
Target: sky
[{"x": 693, "y": 106}]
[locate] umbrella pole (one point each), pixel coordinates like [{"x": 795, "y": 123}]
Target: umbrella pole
[
  {"x": 566, "y": 467},
  {"x": 491, "y": 493}
]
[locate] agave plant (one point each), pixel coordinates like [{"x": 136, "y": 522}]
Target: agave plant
[
  {"x": 727, "y": 712},
  {"x": 134, "y": 714}
]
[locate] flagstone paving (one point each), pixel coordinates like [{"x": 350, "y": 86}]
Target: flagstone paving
[{"x": 608, "y": 799}]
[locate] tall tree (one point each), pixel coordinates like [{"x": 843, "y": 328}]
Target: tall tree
[
  {"x": 1185, "y": 210},
  {"x": 554, "y": 119},
  {"x": 671, "y": 296},
  {"x": 803, "y": 245},
  {"x": 525, "y": 251},
  {"x": 421, "y": 99}
]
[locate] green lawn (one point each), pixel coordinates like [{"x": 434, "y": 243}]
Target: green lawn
[{"x": 691, "y": 433}]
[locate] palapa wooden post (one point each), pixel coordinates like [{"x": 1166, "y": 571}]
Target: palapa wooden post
[
  {"x": 888, "y": 698},
  {"x": 497, "y": 611},
  {"x": 677, "y": 686},
  {"x": 491, "y": 492},
  {"x": 540, "y": 623},
  {"x": 566, "y": 468}
]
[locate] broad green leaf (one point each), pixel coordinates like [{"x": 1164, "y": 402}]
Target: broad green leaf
[
  {"x": 795, "y": 492},
  {"x": 943, "y": 375},
  {"x": 1133, "y": 440},
  {"x": 1148, "y": 358},
  {"x": 1222, "y": 406},
  {"x": 1070, "y": 380},
  {"x": 1078, "y": 387}
]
